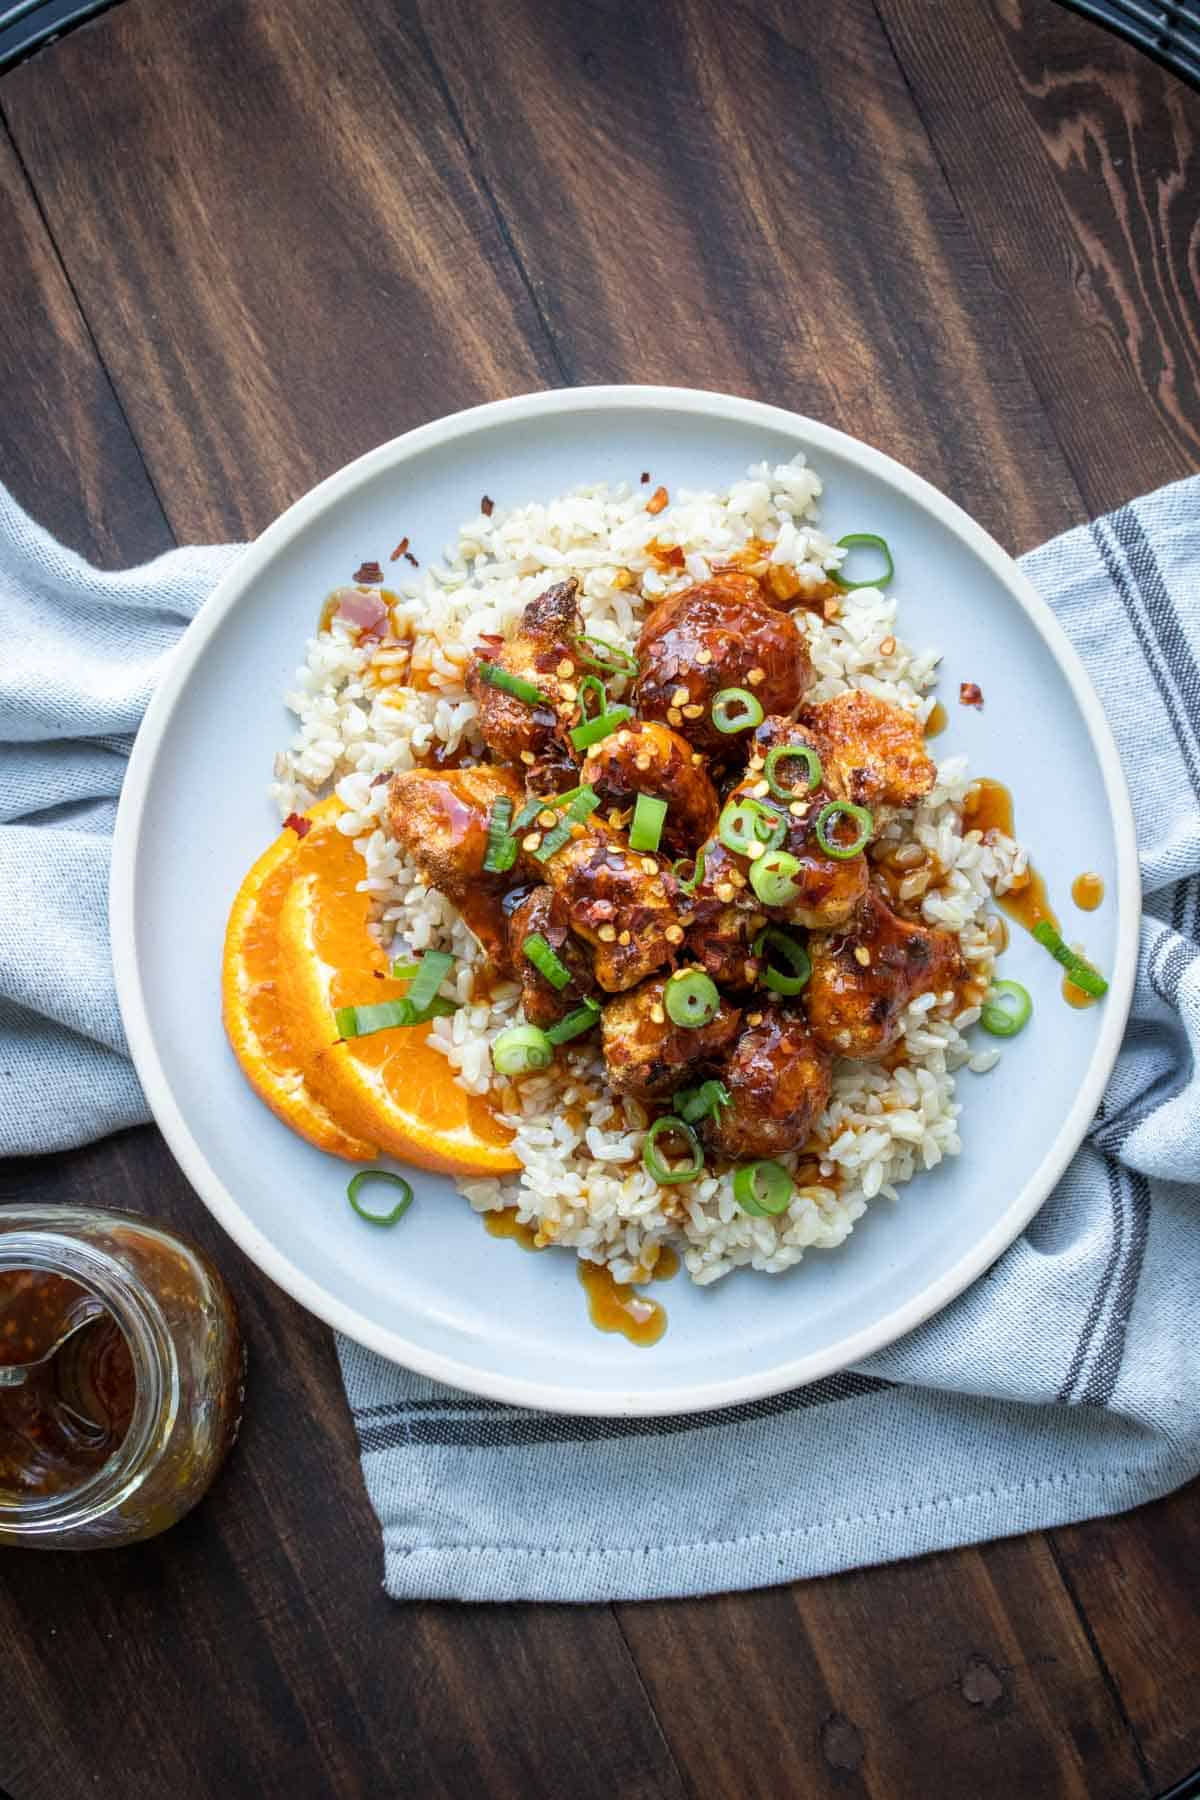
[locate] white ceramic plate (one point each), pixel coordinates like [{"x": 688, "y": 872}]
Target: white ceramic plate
[{"x": 438, "y": 1294}]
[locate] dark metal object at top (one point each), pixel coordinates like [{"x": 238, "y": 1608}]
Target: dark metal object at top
[
  {"x": 27, "y": 25},
  {"x": 1168, "y": 31}
]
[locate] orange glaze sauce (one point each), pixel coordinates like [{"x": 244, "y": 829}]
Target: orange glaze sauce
[
  {"x": 615, "y": 1306},
  {"x": 507, "y": 1225},
  {"x": 937, "y": 721},
  {"x": 1087, "y": 891},
  {"x": 1075, "y": 996},
  {"x": 988, "y": 807}
]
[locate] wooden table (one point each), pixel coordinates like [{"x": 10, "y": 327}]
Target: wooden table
[{"x": 241, "y": 243}]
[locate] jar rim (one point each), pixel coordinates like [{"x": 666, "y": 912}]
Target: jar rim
[{"x": 139, "y": 1317}]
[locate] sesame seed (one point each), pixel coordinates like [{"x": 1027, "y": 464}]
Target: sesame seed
[
  {"x": 754, "y": 1018},
  {"x": 761, "y": 789},
  {"x": 566, "y": 667},
  {"x": 887, "y": 646},
  {"x": 757, "y": 761},
  {"x": 693, "y": 711},
  {"x": 625, "y": 937},
  {"x": 725, "y": 890},
  {"x": 607, "y": 934},
  {"x": 687, "y": 918},
  {"x": 797, "y": 809},
  {"x": 657, "y": 1014},
  {"x": 754, "y": 851},
  {"x": 756, "y": 676},
  {"x": 749, "y": 970},
  {"x": 674, "y": 716},
  {"x": 737, "y": 878},
  {"x": 697, "y": 759},
  {"x": 704, "y": 657},
  {"x": 547, "y": 818},
  {"x": 649, "y": 866},
  {"x": 528, "y": 758},
  {"x": 862, "y": 955},
  {"x": 532, "y": 841},
  {"x": 757, "y": 921},
  {"x": 569, "y": 691},
  {"x": 614, "y": 817},
  {"x": 642, "y": 762},
  {"x": 674, "y": 934},
  {"x": 624, "y": 737},
  {"x": 680, "y": 697}
]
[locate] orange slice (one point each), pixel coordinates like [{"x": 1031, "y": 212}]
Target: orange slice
[
  {"x": 392, "y": 1086},
  {"x": 251, "y": 978}
]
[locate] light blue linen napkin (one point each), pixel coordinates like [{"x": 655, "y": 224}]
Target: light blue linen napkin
[{"x": 1064, "y": 1384}]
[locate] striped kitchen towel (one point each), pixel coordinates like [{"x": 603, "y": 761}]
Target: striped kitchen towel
[{"x": 1065, "y": 1383}]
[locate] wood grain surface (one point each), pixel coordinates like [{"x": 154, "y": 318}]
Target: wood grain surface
[{"x": 241, "y": 243}]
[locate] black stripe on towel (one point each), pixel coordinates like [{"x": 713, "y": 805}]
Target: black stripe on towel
[
  {"x": 1107, "y": 1367},
  {"x": 1103, "y": 1286},
  {"x": 485, "y": 1425}
]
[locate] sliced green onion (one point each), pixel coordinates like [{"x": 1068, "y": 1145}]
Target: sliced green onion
[
  {"x": 357, "y": 1183},
  {"x": 736, "y": 709},
  {"x": 654, "y": 1164},
  {"x": 537, "y": 950},
  {"x": 691, "y": 999},
  {"x": 596, "y": 653},
  {"x": 1078, "y": 968},
  {"x": 575, "y": 1023},
  {"x": 529, "y": 813},
  {"x": 703, "y": 1102},
  {"x": 1001, "y": 1018},
  {"x": 697, "y": 875},
  {"x": 364, "y": 1021},
  {"x": 787, "y": 752},
  {"x": 501, "y": 851},
  {"x": 792, "y": 952},
  {"x": 500, "y": 678},
  {"x": 762, "y": 1188},
  {"x": 404, "y": 971},
  {"x": 593, "y": 731},
  {"x": 844, "y": 809},
  {"x": 592, "y": 690},
  {"x": 866, "y": 540},
  {"x": 773, "y": 877},
  {"x": 646, "y": 829},
  {"x": 746, "y": 824},
  {"x": 582, "y": 807},
  {"x": 435, "y": 966},
  {"x": 520, "y": 1050}
]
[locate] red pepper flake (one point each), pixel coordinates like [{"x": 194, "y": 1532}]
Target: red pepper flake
[
  {"x": 487, "y": 506},
  {"x": 398, "y": 552},
  {"x": 370, "y": 574},
  {"x": 645, "y": 477},
  {"x": 970, "y": 694},
  {"x": 657, "y": 500},
  {"x": 378, "y": 780},
  {"x": 298, "y": 823},
  {"x": 409, "y": 557},
  {"x": 667, "y": 556}
]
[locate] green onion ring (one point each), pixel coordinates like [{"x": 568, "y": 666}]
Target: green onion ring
[
  {"x": 501, "y": 851},
  {"x": 703, "y": 1102},
  {"x": 697, "y": 875},
  {"x": 593, "y": 731},
  {"x": 404, "y": 971},
  {"x": 793, "y": 952},
  {"x": 582, "y": 807},
  {"x": 746, "y": 823},
  {"x": 521, "y": 1050},
  {"x": 591, "y": 688},
  {"x": 435, "y": 966},
  {"x": 844, "y": 809},
  {"x": 383, "y": 1015},
  {"x": 500, "y": 678},
  {"x": 1003, "y": 1020},
  {"x": 645, "y": 832},
  {"x": 783, "y": 753},
  {"x": 612, "y": 659},
  {"x": 575, "y": 1023},
  {"x": 691, "y": 999},
  {"x": 866, "y": 540},
  {"x": 749, "y": 710},
  {"x": 398, "y": 1211},
  {"x": 1081, "y": 972},
  {"x": 656, "y": 1167},
  {"x": 773, "y": 877},
  {"x": 539, "y": 951},
  {"x": 762, "y": 1188}
]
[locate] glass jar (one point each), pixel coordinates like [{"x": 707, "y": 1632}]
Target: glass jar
[{"x": 124, "y": 1430}]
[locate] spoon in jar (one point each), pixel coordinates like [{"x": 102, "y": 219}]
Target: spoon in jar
[{"x": 17, "y": 1374}]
